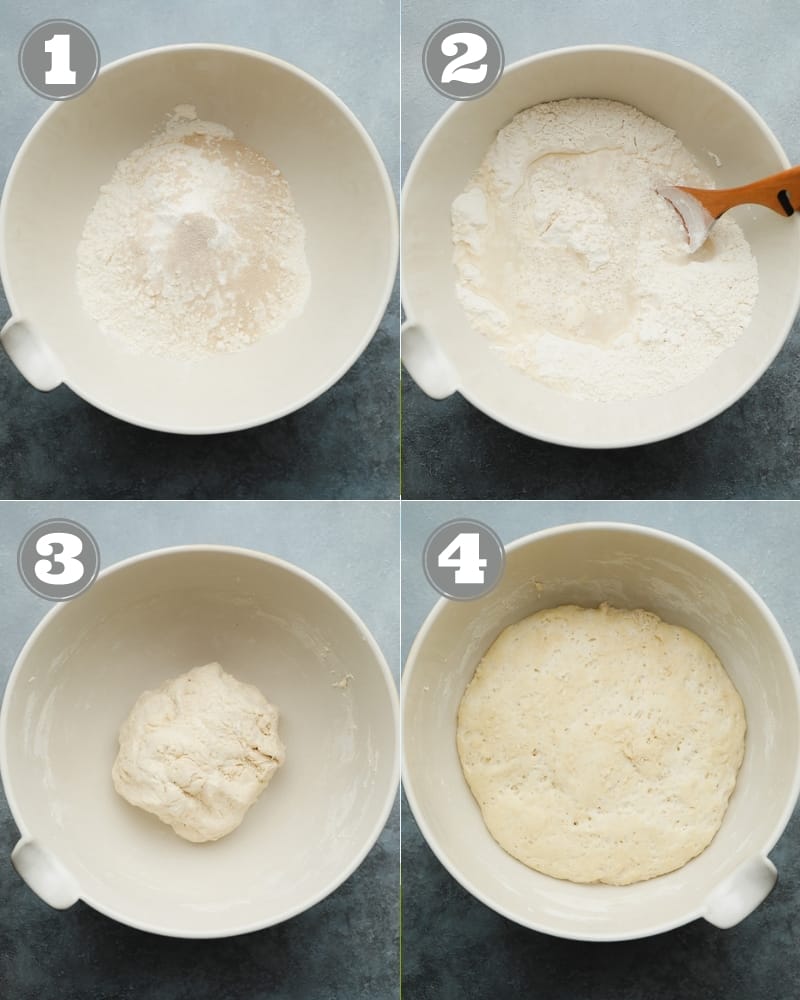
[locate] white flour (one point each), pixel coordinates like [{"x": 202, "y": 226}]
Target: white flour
[
  {"x": 578, "y": 272},
  {"x": 194, "y": 246}
]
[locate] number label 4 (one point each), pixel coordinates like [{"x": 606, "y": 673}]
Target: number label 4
[{"x": 468, "y": 565}]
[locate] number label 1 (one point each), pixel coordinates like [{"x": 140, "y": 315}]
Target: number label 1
[
  {"x": 58, "y": 59},
  {"x": 469, "y": 565},
  {"x": 59, "y": 73}
]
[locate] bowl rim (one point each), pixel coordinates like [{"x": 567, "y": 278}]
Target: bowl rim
[
  {"x": 382, "y": 299},
  {"x": 632, "y": 438},
  {"x": 389, "y": 796},
  {"x": 414, "y": 655}
]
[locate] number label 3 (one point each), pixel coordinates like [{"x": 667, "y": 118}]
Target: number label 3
[
  {"x": 61, "y": 565},
  {"x": 58, "y": 559}
]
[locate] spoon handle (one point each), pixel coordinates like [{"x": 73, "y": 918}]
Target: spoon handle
[{"x": 780, "y": 192}]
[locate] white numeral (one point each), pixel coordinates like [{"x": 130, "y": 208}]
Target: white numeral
[
  {"x": 59, "y": 72},
  {"x": 72, "y": 569},
  {"x": 476, "y": 49},
  {"x": 469, "y": 565}
]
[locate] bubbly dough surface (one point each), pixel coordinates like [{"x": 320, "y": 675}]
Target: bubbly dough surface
[
  {"x": 198, "y": 751},
  {"x": 602, "y": 745}
]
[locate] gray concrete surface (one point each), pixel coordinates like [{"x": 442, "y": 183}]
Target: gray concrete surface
[
  {"x": 344, "y": 444},
  {"x": 455, "y": 948},
  {"x": 345, "y": 947},
  {"x": 450, "y": 449}
]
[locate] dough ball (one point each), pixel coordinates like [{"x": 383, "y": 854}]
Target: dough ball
[
  {"x": 198, "y": 751},
  {"x": 602, "y": 745}
]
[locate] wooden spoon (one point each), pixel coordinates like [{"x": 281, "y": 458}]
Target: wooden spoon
[{"x": 699, "y": 208}]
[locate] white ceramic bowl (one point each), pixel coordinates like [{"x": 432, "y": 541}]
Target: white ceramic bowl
[
  {"x": 444, "y": 355},
  {"x": 630, "y": 567},
  {"x": 341, "y": 189},
  {"x": 146, "y": 620}
]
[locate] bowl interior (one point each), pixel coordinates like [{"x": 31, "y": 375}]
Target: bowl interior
[
  {"x": 630, "y": 569},
  {"x": 340, "y": 188},
  {"x": 709, "y": 119},
  {"x": 147, "y": 622}
]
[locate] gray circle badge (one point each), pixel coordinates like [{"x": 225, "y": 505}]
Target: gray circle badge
[
  {"x": 58, "y": 559},
  {"x": 59, "y": 59},
  {"x": 463, "y": 559},
  {"x": 463, "y": 59}
]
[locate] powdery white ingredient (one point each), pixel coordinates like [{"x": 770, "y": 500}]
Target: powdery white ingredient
[
  {"x": 578, "y": 272},
  {"x": 194, "y": 246},
  {"x": 601, "y": 744}
]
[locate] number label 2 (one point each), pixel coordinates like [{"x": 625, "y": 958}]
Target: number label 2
[
  {"x": 458, "y": 69},
  {"x": 468, "y": 565}
]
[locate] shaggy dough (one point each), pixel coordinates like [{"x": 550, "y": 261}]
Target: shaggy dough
[
  {"x": 602, "y": 745},
  {"x": 198, "y": 751}
]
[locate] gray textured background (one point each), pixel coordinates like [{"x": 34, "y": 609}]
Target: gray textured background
[
  {"x": 345, "y": 947},
  {"x": 344, "y": 444},
  {"x": 454, "y": 948},
  {"x": 450, "y": 449}
]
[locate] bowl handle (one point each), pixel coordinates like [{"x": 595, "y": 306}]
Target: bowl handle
[
  {"x": 426, "y": 363},
  {"x": 741, "y": 892},
  {"x": 31, "y": 355},
  {"x": 44, "y": 874}
]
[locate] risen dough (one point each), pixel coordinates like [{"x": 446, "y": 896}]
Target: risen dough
[
  {"x": 198, "y": 751},
  {"x": 601, "y": 745}
]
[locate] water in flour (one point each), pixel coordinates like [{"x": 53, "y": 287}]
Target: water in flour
[
  {"x": 578, "y": 272},
  {"x": 194, "y": 246}
]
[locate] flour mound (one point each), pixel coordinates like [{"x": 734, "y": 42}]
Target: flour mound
[
  {"x": 601, "y": 745},
  {"x": 578, "y": 272},
  {"x": 198, "y": 751},
  {"x": 194, "y": 246}
]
